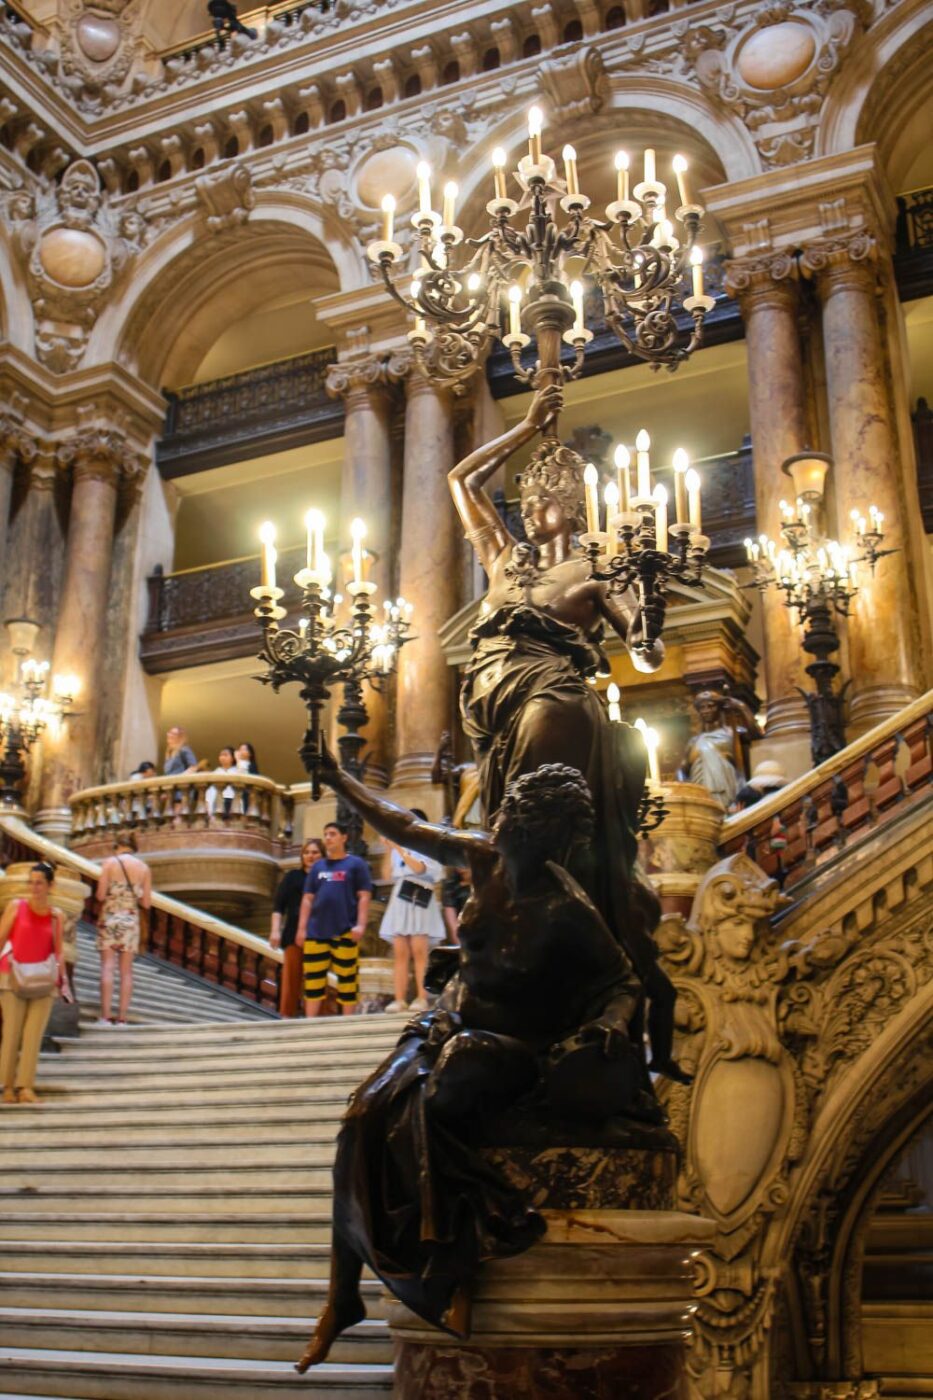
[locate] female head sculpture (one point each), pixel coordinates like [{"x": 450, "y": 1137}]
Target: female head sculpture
[{"x": 554, "y": 475}]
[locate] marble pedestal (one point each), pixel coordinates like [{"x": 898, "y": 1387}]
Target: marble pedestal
[{"x": 599, "y": 1309}]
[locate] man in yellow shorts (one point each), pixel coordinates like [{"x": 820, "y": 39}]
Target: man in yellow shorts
[{"x": 332, "y": 920}]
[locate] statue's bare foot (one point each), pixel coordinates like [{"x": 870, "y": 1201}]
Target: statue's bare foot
[{"x": 330, "y": 1324}]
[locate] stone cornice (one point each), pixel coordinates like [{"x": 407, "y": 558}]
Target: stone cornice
[{"x": 50, "y": 403}]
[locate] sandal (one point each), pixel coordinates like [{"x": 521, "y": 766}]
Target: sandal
[
  {"x": 27, "y": 1096},
  {"x": 9, "y": 1095}
]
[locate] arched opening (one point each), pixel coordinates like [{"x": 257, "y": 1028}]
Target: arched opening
[
  {"x": 412, "y": 85},
  {"x": 451, "y": 73},
  {"x": 231, "y": 148},
  {"x": 266, "y": 136},
  {"x": 573, "y": 31},
  {"x": 197, "y": 159},
  {"x": 374, "y": 99},
  {"x": 491, "y": 60},
  {"x": 301, "y": 124},
  {"x": 338, "y": 111},
  {"x": 531, "y": 46},
  {"x": 165, "y": 171},
  {"x": 615, "y": 19}
]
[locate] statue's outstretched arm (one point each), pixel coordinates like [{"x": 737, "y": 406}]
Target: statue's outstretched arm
[
  {"x": 625, "y": 618},
  {"x": 482, "y": 523},
  {"x": 447, "y": 845}
]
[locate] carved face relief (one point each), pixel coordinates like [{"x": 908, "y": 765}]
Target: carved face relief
[
  {"x": 736, "y": 936},
  {"x": 21, "y": 206},
  {"x": 79, "y": 194}
]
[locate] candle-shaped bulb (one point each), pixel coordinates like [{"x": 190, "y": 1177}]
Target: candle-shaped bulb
[
  {"x": 591, "y": 491},
  {"x": 649, "y": 166},
  {"x": 450, "y": 202},
  {"x": 576, "y": 296},
  {"x": 474, "y": 282},
  {"x": 623, "y": 458},
  {"x": 611, "y": 496},
  {"x": 660, "y": 518},
  {"x": 621, "y": 165},
  {"x": 696, "y": 264},
  {"x": 423, "y": 172},
  {"x": 642, "y": 461},
  {"x": 651, "y": 744},
  {"x": 613, "y": 696},
  {"x": 388, "y": 217},
  {"x": 498, "y": 171},
  {"x": 515, "y": 316},
  {"x": 570, "y": 169},
  {"x": 693, "y": 499},
  {"x": 267, "y": 564},
  {"x": 681, "y": 166},
  {"x": 535, "y": 127},
  {"x": 314, "y": 522},
  {"x": 681, "y": 464}
]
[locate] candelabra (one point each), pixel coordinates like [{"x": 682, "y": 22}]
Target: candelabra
[
  {"x": 652, "y": 808},
  {"x": 331, "y": 645},
  {"x": 25, "y": 710},
  {"x": 513, "y": 282},
  {"x": 819, "y": 579}
]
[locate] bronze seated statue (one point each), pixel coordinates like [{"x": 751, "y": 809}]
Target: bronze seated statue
[{"x": 536, "y": 1038}]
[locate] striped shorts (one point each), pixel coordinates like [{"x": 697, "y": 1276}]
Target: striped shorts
[{"x": 343, "y": 955}]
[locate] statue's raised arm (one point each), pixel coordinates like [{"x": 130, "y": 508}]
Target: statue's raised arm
[{"x": 482, "y": 523}]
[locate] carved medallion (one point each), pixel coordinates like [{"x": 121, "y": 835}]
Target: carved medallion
[
  {"x": 98, "y": 38},
  {"x": 772, "y": 58},
  {"x": 72, "y": 257}
]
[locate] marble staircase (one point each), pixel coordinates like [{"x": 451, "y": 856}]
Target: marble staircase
[{"x": 165, "y": 1213}]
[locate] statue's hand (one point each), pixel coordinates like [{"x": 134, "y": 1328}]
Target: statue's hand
[
  {"x": 612, "y": 1041},
  {"x": 329, "y": 765},
  {"x": 546, "y": 405}
]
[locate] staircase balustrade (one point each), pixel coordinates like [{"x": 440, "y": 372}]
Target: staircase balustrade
[
  {"x": 188, "y": 802},
  {"x": 869, "y": 783}
]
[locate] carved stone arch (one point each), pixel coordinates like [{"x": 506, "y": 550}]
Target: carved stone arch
[
  {"x": 682, "y": 107},
  {"x": 866, "y": 1120},
  {"x": 189, "y": 287},
  {"x": 880, "y": 92}
]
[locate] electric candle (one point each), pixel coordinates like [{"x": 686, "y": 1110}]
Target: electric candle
[
  {"x": 314, "y": 521},
  {"x": 576, "y": 296},
  {"x": 515, "y": 319},
  {"x": 423, "y": 172},
  {"x": 570, "y": 169},
  {"x": 693, "y": 498},
  {"x": 613, "y": 696},
  {"x": 642, "y": 444},
  {"x": 621, "y": 164},
  {"x": 649, "y": 166},
  {"x": 450, "y": 202},
  {"x": 681, "y": 465},
  {"x": 498, "y": 170},
  {"x": 357, "y": 534},
  {"x": 660, "y": 518},
  {"x": 535, "y": 125},
  {"x": 680, "y": 170},
  {"x": 623, "y": 459},
  {"x": 267, "y": 536},
  {"x": 420, "y": 326},
  {"x": 388, "y": 217},
  {"x": 651, "y": 744},
  {"x": 696, "y": 265},
  {"x": 611, "y": 497},
  {"x": 591, "y": 489}
]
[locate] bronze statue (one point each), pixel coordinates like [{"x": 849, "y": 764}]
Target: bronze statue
[
  {"x": 537, "y": 1029},
  {"x": 716, "y": 758}
]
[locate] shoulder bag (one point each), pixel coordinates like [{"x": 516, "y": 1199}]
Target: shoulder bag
[{"x": 32, "y": 980}]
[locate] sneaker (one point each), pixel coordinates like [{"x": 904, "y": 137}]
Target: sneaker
[
  {"x": 419, "y": 1004},
  {"x": 397, "y": 1006},
  {"x": 118, "y": 1022},
  {"x": 103, "y": 1021}
]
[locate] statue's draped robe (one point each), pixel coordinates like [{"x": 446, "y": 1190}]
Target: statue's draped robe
[{"x": 711, "y": 766}]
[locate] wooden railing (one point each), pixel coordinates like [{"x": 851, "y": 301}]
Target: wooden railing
[
  {"x": 209, "y": 948},
  {"x": 806, "y": 823},
  {"x": 186, "y": 801}
]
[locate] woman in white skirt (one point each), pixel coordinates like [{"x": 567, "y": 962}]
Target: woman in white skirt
[{"x": 412, "y": 921}]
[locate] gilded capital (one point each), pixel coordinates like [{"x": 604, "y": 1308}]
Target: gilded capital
[
  {"x": 769, "y": 279},
  {"x": 850, "y": 261},
  {"x": 100, "y": 454},
  {"x": 359, "y": 378}
]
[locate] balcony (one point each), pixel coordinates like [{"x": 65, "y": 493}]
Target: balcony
[{"x": 252, "y": 414}]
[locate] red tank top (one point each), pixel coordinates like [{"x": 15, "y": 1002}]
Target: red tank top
[{"x": 32, "y": 937}]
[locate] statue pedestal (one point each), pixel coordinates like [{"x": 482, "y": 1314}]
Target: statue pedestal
[
  {"x": 599, "y": 1308},
  {"x": 684, "y": 846}
]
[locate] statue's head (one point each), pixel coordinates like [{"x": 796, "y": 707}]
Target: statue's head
[
  {"x": 545, "y": 812},
  {"x": 708, "y": 705},
  {"x": 133, "y": 226},
  {"x": 79, "y": 193},
  {"x": 552, "y": 492},
  {"x": 732, "y": 905},
  {"x": 21, "y": 205}
]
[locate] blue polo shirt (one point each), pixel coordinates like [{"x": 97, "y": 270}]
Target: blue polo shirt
[{"x": 335, "y": 885}]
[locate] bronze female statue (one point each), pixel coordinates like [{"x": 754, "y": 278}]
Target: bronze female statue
[
  {"x": 526, "y": 697},
  {"x": 530, "y": 1033}
]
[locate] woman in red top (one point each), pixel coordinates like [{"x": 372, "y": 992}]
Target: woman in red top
[{"x": 30, "y": 930}]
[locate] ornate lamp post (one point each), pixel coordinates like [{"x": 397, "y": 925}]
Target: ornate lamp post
[
  {"x": 331, "y": 646},
  {"x": 512, "y": 283},
  {"x": 26, "y": 710},
  {"x": 818, "y": 577}
]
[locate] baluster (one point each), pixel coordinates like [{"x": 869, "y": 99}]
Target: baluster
[
  {"x": 212, "y": 957},
  {"x": 199, "y": 791},
  {"x": 175, "y": 951},
  {"x": 271, "y": 972},
  {"x": 249, "y": 974},
  {"x": 230, "y": 972}
]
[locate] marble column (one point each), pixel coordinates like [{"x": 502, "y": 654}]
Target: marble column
[
  {"x": 15, "y": 446},
  {"x": 32, "y": 557},
  {"x": 884, "y": 642},
  {"x": 428, "y": 578},
  {"x": 767, "y": 290},
  {"x": 366, "y": 491},
  {"x": 98, "y": 458}
]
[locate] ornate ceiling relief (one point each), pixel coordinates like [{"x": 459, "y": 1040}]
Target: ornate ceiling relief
[
  {"x": 73, "y": 245},
  {"x": 775, "y": 70}
]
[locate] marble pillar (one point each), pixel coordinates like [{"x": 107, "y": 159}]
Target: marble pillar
[
  {"x": 884, "y": 642},
  {"x": 767, "y": 290},
  {"x": 366, "y": 491},
  {"x": 98, "y": 458},
  {"x": 428, "y": 578},
  {"x": 32, "y": 557},
  {"x": 15, "y": 446}
]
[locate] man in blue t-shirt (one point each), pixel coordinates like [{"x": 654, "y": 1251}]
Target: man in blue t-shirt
[{"x": 332, "y": 920}]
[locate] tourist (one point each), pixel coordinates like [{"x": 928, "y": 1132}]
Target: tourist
[
  {"x": 179, "y": 757},
  {"x": 30, "y": 935},
  {"x": 412, "y": 920},
  {"x": 768, "y": 777},
  {"x": 144, "y": 770},
  {"x": 225, "y": 20},
  {"x": 285, "y": 911},
  {"x": 124, "y": 889},
  {"x": 226, "y": 763},
  {"x": 332, "y": 921},
  {"x": 246, "y": 763}
]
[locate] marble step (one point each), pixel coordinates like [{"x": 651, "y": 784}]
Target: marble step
[
  {"x": 222, "y": 1064},
  {"x": 265, "y": 1085},
  {"x": 179, "y": 1153},
  {"x": 165, "y": 1224},
  {"x": 338, "y": 1029},
  {"x": 48, "y": 1131},
  {"x": 226, "y": 1110},
  {"x": 151, "y": 1259},
  {"x": 274, "y": 1297},
  {"x": 68, "y": 1375},
  {"x": 181, "y": 1193},
  {"x": 210, "y": 1335}
]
